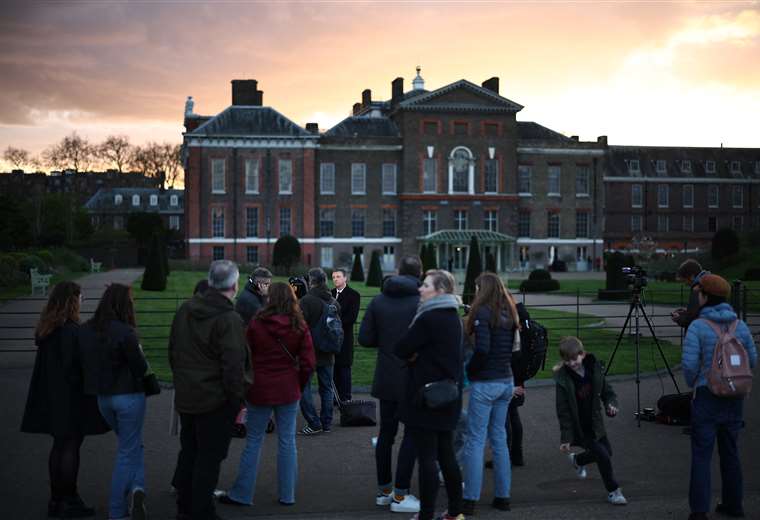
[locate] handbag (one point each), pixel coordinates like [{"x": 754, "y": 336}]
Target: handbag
[
  {"x": 150, "y": 385},
  {"x": 356, "y": 412},
  {"x": 438, "y": 394}
]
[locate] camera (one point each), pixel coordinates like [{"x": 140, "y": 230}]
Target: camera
[
  {"x": 646, "y": 414},
  {"x": 299, "y": 285},
  {"x": 635, "y": 276}
]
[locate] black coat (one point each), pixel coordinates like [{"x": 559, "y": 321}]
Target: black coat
[
  {"x": 113, "y": 363},
  {"x": 55, "y": 403},
  {"x": 436, "y": 338},
  {"x": 386, "y": 319},
  {"x": 492, "y": 356},
  {"x": 348, "y": 299},
  {"x": 312, "y": 306},
  {"x": 248, "y": 303}
]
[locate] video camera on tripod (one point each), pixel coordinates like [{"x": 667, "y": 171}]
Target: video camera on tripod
[{"x": 635, "y": 277}]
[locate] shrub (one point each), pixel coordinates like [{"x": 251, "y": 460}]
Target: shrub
[
  {"x": 539, "y": 285},
  {"x": 69, "y": 259},
  {"x": 357, "y": 271},
  {"x": 286, "y": 254},
  {"x": 559, "y": 266},
  {"x": 752, "y": 274},
  {"x": 725, "y": 243},
  {"x": 539, "y": 275},
  {"x": 474, "y": 268},
  {"x": 10, "y": 276},
  {"x": 154, "y": 277},
  {"x": 46, "y": 256},
  {"x": 375, "y": 275},
  {"x": 31, "y": 262}
]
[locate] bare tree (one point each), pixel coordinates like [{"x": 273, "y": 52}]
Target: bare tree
[
  {"x": 160, "y": 161},
  {"x": 71, "y": 153},
  {"x": 18, "y": 157},
  {"x": 172, "y": 163},
  {"x": 115, "y": 150}
]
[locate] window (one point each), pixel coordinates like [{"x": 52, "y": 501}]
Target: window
[
  {"x": 135, "y": 200},
  {"x": 460, "y": 171},
  {"x": 327, "y": 179},
  {"x": 523, "y": 179},
  {"x": 218, "y": 253},
  {"x": 552, "y": 225},
  {"x": 581, "y": 224},
  {"x": 217, "y": 222},
  {"x": 491, "y": 129},
  {"x": 460, "y": 219},
  {"x": 252, "y": 176},
  {"x": 738, "y": 222},
  {"x": 553, "y": 180},
  {"x": 358, "y": 179},
  {"x": 737, "y": 196},
  {"x": 491, "y": 181},
  {"x": 637, "y": 195},
  {"x": 709, "y": 166},
  {"x": 286, "y": 176},
  {"x": 688, "y": 223},
  {"x": 712, "y": 224},
  {"x": 429, "y": 222},
  {"x": 173, "y": 200},
  {"x": 326, "y": 222},
  {"x": 582, "y": 177},
  {"x": 284, "y": 221},
  {"x": 634, "y": 168},
  {"x": 686, "y": 166},
  {"x": 430, "y": 127},
  {"x": 251, "y": 222},
  {"x": 491, "y": 220},
  {"x": 358, "y": 219},
  {"x": 736, "y": 167},
  {"x": 663, "y": 223},
  {"x": 663, "y": 192},
  {"x": 252, "y": 254},
  {"x": 95, "y": 220},
  {"x": 635, "y": 223},
  {"x": 661, "y": 167},
  {"x": 118, "y": 222},
  {"x": 523, "y": 224},
  {"x": 389, "y": 258},
  {"x": 389, "y": 222},
  {"x": 389, "y": 179},
  {"x": 712, "y": 196},
  {"x": 461, "y": 128},
  {"x": 117, "y": 199},
  {"x": 173, "y": 221},
  {"x": 217, "y": 175},
  {"x": 687, "y": 194},
  {"x": 154, "y": 200},
  {"x": 429, "y": 176},
  {"x": 326, "y": 257}
]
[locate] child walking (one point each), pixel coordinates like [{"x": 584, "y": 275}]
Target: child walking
[{"x": 581, "y": 390}]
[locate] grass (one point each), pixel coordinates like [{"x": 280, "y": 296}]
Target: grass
[{"x": 25, "y": 289}]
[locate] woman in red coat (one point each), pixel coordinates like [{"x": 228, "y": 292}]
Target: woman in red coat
[{"x": 282, "y": 357}]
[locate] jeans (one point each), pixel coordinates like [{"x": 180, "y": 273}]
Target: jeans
[
  {"x": 486, "y": 416},
  {"x": 342, "y": 378},
  {"x": 715, "y": 417},
  {"x": 432, "y": 445},
  {"x": 384, "y": 450},
  {"x": 324, "y": 381},
  {"x": 205, "y": 439},
  {"x": 125, "y": 414},
  {"x": 287, "y": 455},
  {"x": 599, "y": 451}
]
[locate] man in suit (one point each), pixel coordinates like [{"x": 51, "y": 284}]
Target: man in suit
[{"x": 349, "y": 310}]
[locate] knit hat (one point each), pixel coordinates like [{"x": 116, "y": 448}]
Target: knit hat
[{"x": 715, "y": 285}]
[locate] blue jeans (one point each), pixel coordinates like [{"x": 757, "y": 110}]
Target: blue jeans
[
  {"x": 287, "y": 455},
  {"x": 125, "y": 414},
  {"x": 325, "y": 417},
  {"x": 487, "y": 415},
  {"x": 715, "y": 417}
]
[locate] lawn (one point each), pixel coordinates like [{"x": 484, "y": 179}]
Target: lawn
[{"x": 156, "y": 310}]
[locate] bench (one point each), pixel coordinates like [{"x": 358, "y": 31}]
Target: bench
[
  {"x": 95, "y": 266},
  {"x": 39, "y": 281}
]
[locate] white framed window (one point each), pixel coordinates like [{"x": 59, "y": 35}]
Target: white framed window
[
  {"x": 687, "y": 195},
  {"x": 218, "y": 253},
  {"x": 713, "y": 197},
  {"x": 663, "y": 195},
  {"x": 326, "y": 257},
  {"x": 523, "y": 179},
  {"x": 217, "y": 176},
  {"x": 661, "y": 167},
  {"x": 358, "y": 221},
  {"x": 736, "y": 167},
  {"x": 491, "y": 220},
  {"x": 686, "y": 166},
  {"x": 460, "y": 219},
  {"x": 252, "y": 176},
  {"x": 553, "y": 174},
  {"x": 709, "y": 166},
  {"x": 552, "y": 225},
  {"x": 286, "y": 176},
  {"x": 217, "y": 222},
  {"x": 430, "y": 175},
  {"x": 135, "y": 200},
  {"x": 285, "y": 226},
  {"x": 154, "y": 200},
  {"x": 327, "y": 178},
  {"x": 688, "y": 223},
  {"x": 637, "y": 195},
  {"x": 491, "y": 180},
  {"x": 117, "y": 199},
  {"x": 389, "y": 222},
  {"x": 326, "y": 222},
  {"x": 173, "y": 200},
  {"x": 635, "y": 223},
  {"x": 634, "y": 168},
  {"x": 738, "y": 222},
  {"x": 389, "y": 178},
  {"x": 581, "y": 224},
  {"x": 737, "y": 196},
  {"x": 358, "y": 179},
  {"x": 429, "y": 221},
  {"x": 389, "y": 258},
  {"x": 118, "y": 222},
  {"x": 252, "y": 254},
  {"x": 252, "y": 222},
  {"x": 582, "y": 181},
  {"x": 173, "y": 221},
  {"x": 461, "y": 171},
  {"x": 523, "y": 224},
  {"x": 663, "y": 223}
]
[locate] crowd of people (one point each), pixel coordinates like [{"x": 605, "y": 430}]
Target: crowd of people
[{"x": 259, "y": 351}]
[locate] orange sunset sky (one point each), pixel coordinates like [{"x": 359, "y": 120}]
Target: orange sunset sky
[{"x": 653, "y": 73}]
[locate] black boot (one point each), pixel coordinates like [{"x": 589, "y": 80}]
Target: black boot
[
  {"x": 54, "y": 507},
  {"x": 74, "y": 507},
  {"x": 468, "y": 507}
]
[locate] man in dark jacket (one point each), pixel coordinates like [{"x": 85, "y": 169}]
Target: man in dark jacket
[
  {"x": 349, "y": 310},
  {"x": 312, "y": 306},
  {"x": 386, "y": 319},
  {"x": 690, "y": 273},
  {"x": 211, "y": 368},
  {"x": 253, "y": 297}
]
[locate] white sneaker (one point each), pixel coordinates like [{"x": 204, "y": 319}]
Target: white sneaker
[
  {"x": 410, "y": 504},
  {"x": 579, "y": 470},
  {"x": 381, "y": 499},
  {"x": 617, "y": 498}
]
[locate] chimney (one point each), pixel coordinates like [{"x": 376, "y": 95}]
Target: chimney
[
  {"x": 492, "y": 84},
  {"x": 397, "y": 90},
  {"x": 245, "y": 92},
  {"x": 312, "y": 128},
  {"x": 366, "y": 97},
  {"x": 575, "y": 138},
  {"x": 357, "y": 108},
  {"x": 602, "y": 139}
]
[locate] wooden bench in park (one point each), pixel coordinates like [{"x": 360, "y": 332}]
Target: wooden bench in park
[
  {"x": 95, "y": 266},
  {"x": 39, "y": 281}
]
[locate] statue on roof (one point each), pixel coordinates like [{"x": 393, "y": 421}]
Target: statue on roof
[
  {"x": 418, "y": 83},
  {"x": 189, "y": 104}
]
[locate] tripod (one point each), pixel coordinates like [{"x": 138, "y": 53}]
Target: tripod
[{"x": 636, "y": 310}]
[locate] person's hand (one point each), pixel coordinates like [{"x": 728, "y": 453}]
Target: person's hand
[
  {"x": 519, "y": 390},
  {"x": 611, "y": 410},
  {"x": 564, "y": 447}
]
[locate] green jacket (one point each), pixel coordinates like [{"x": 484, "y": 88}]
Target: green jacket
[
  {"x": 567, "y": 405},
  {"x": 208, "y": 354}
]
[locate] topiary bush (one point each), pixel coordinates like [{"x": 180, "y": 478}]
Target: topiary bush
[
  {"x": 559, "y": 266},
  {"x": 286, "y": 254},
  {"x": 474, "y": 268},
  {"x": 357, "y": 271},
  {"x": 539, "y": 274},
  {"x": 539, "y": 285},
  {"x": 375, "y": 275},
  {"x": 32, "y": 262},
  {"x": 154, "y": 277}
]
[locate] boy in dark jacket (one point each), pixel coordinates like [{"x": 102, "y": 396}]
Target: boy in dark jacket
[
  {"x": 690, "y": 273},
  {"x": 581, "y": 390}
]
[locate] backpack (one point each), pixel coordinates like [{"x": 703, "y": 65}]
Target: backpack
[
  {"x": 729, "y": 374},
  {"x": 534, "y": 340},
  {"x": 327, "y": 335}
]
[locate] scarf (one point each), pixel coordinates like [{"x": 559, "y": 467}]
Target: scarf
[{"x": 442, "y": 301}]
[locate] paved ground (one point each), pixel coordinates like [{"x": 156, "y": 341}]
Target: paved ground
[{"x": 337, "y": 475}]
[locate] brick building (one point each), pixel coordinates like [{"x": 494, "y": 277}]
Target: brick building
[{"x": 111, "y": 207}]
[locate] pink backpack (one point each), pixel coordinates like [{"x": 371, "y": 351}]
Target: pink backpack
[{"x": 729, "y": 374}]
